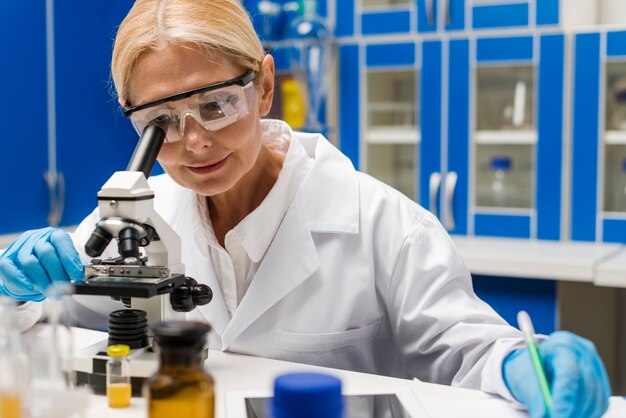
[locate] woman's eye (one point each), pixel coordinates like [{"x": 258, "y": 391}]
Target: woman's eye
[
  {"x": 211, "y": 110},
  {"x": 161, "y": 121}
]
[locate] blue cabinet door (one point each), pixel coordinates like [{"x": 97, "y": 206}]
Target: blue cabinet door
[
  {"x": 545, "y": 54},
  {"x": 94, "y": 139},
  {"x": 503, "y": 14},
  {"x": 24, "y": 158},
  {"x": 598, "y": 137}
]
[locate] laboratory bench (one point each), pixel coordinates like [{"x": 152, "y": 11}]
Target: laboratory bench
[{"x": 239, "y": 375}]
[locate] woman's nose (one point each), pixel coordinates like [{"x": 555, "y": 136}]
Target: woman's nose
[{"x": 194, "y": 133}]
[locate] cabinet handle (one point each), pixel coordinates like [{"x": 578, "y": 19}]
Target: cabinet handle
[
  {"x": 430, "y": 12},
  {"x": 56, "y": 192},
  {"x": 433, "y": 188},
  {"x": 448, "y": 189}
]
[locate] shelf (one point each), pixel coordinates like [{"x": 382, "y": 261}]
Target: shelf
[
  {"x": 537, "y": 259},
  {"x": 506, "y": 137},
  {"x": 392, "y": 135},
  {"x": 615, "y": 138}
]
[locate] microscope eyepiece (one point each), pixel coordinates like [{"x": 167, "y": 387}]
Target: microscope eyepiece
[{"x": 97, "y": 242}]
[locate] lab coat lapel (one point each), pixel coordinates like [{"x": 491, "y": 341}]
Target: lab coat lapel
[{"x": 290, "y": 260}]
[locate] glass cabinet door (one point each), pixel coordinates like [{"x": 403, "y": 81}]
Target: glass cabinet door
[
  {"x": 391, "y": 134},
  {"x": 615, "y": 138},
  {"x": 505, "y": 137}
]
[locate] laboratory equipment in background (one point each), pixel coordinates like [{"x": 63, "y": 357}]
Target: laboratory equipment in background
[
  {"x": 118, "y": 376},
  {"x": 181, "y": 387},
  {"x": 392, "y": 134},
  {"x": 147, "y": 274},
  {"x": 13, "y": 367},
  {"x": 309, "y": 49}
]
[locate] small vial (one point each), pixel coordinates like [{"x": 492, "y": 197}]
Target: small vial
[{"x": 118, "y": 376}]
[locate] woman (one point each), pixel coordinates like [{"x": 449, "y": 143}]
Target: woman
[{"x": 314, "y": 261}]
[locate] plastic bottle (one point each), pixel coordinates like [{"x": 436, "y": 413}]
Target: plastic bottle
[
  {"x": 13, "y": 375},
  {"x": 181, "y": 387},
  {"x": 307, "y": 395},
  {"x": 118, "y": 376},
  {"x": 500, "y": 166}
]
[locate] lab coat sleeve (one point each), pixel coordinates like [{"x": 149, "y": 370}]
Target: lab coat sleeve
[{"x": 446, "y": 334}]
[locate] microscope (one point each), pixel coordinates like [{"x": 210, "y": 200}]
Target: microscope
[{"x": 147, "y": 276}]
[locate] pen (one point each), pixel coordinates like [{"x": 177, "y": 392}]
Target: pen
[{"x": 526, "y": 326}]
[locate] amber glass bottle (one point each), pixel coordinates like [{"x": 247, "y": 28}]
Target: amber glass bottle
[{"x": 181, "y": 387}]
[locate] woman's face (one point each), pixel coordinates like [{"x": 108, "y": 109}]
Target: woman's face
[{"x": 207, "y": 162}]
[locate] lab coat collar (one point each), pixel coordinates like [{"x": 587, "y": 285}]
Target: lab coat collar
[
  {"x": 327, "y": 202},
  {"x": 331, "y": 191}
]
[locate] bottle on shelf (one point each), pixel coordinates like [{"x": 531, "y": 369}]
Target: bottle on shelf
[
  {"x": 500, "y": 183},
  {"x": 307, "y": 395},
  {"x": 118, "y": 376},
  {"x": 180, "y": 387}
]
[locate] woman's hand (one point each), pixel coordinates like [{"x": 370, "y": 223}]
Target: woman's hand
[{"x": 35, "y": 260}]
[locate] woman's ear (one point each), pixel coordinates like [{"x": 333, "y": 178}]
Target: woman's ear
[{"x": 267, "y": 85}]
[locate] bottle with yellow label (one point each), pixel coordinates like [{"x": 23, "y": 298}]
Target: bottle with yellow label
[{"x": 181, "y": 387}]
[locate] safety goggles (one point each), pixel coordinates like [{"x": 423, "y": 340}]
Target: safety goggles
[{"x": 213, "y": 107}]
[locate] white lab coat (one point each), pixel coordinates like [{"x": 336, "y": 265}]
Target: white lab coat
[{"x": 357, "y": 277}]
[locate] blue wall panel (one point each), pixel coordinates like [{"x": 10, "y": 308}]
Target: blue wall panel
[
  {"x": 23, "y": 159},
  {"x": 500, "y": 16},
  {"x": 508, "y": 296},
  {"x": 519, "y": 48},
  {"x": 430, "y": 116},
  {"x": 349, "y": 109},
  {"x": 506, "y": 226},
  {"x": 381, "y": 55},
  {"x": 548, "y": 12},
  {"x": 550, "y": 128},
  {"x": 398, "y": 21},
  {"x": 94, "y": 138},
  {"x": 585, "y": 136},
  {"x": 458, "y": 129}
]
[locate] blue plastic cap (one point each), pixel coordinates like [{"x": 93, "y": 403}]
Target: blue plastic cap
[
  {"x": 307, "y": 395},
  {"x": 500, "y": 163}
]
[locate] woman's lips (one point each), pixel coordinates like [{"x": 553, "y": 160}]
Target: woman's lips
[{"x": 208, "y": 168}]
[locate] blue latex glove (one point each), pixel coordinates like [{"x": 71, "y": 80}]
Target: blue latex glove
[
  {"x": 577, "y": 378},
  {"x": 35, "y": 260}
]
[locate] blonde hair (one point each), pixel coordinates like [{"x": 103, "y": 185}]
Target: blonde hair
[{"x": 218, "y": 26}]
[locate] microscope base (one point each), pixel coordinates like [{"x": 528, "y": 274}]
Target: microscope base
[{"x": 90, "y": 367}]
